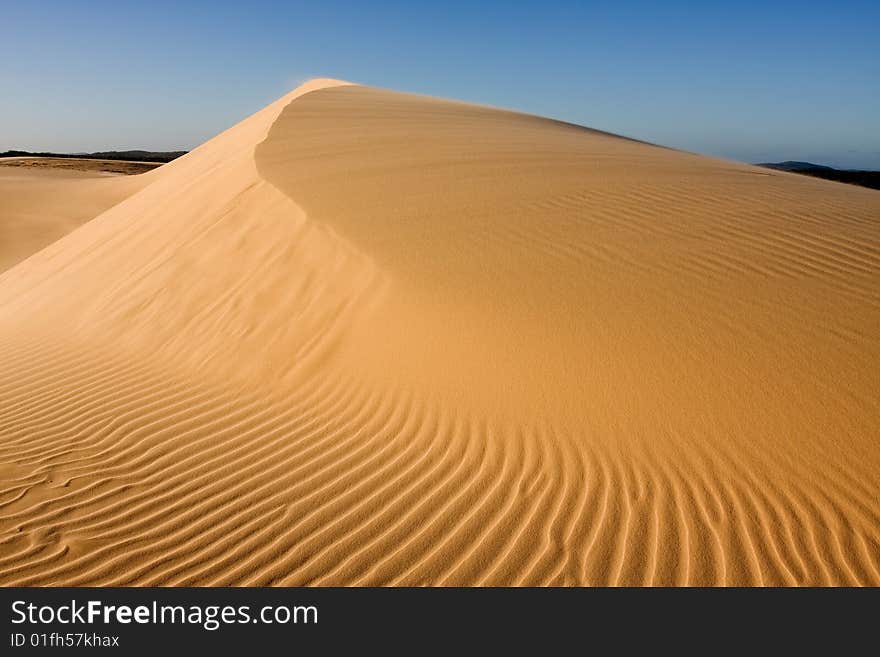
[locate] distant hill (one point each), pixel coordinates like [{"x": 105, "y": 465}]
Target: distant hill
[
  {"x": 137, "y": 155},
  {"x": 794, "y": 165},
  {"x": 870, "y": 179}
]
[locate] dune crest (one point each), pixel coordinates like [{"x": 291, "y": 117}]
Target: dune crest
[{"x": 366, "y": 337}]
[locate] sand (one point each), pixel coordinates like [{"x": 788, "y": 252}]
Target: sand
[
  {"x": 89, "y": 165},
  {"x": 372, "y": 338},
  {"x": 43, "y": 199}
]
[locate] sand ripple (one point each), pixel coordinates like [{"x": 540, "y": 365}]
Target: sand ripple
[{"x": 368, "y": 338}]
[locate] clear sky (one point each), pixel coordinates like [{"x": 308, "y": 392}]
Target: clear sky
[{"x": 753, "y": 81}]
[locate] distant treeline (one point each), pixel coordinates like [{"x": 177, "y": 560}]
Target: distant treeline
[
  {"x": 140, "y": 156},
  {"x": 869, "y": 179}
]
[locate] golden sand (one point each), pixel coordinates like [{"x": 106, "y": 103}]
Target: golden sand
[
  {"x": 40, "y": 204},
  {"x": 366, "y": 337}
]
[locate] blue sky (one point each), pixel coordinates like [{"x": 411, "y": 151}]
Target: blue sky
[{"x": 752, "y": 81}]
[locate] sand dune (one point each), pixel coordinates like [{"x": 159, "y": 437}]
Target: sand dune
[
  {"x": 42, "y": 204},
  {"x": 366, "y": 337}
]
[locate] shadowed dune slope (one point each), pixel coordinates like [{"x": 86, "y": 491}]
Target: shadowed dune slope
[{"x": 366, "y": 337}]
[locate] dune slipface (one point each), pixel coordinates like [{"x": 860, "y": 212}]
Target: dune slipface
[{"x": 366, "y": 337}]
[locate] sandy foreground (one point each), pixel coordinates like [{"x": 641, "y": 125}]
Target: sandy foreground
[{"x": 366, "y": 337}]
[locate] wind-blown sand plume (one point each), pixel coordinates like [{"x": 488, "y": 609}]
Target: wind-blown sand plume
[{"x": 366, "y": 337}]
